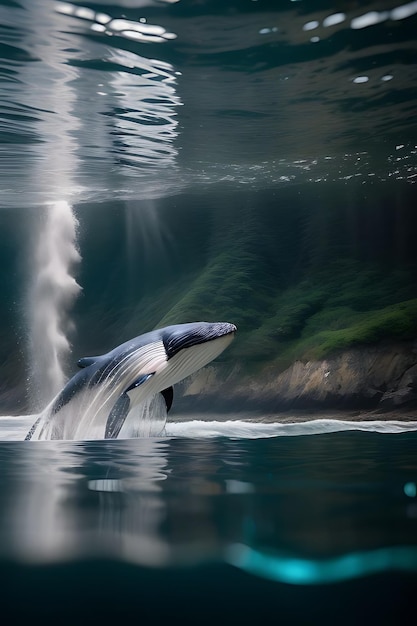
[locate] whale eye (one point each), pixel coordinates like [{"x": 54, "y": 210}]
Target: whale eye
[{"x": 86, "y": 361}]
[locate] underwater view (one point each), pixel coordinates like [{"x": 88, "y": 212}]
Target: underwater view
[{"x": 208, "y": 339}]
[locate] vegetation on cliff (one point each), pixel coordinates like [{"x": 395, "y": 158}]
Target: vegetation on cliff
[{"x": 303, "y": 273}]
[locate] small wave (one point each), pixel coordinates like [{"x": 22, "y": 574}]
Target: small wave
[
  {"x": 254, "y": 430},
  {"x": 15, "y": 428}
]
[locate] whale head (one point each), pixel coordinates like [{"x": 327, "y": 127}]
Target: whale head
[
  {"x": 101, "y": 400},
  {"x": 188, "y": 347}
]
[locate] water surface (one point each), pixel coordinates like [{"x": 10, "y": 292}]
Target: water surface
[{"x": 319, "y": 512}]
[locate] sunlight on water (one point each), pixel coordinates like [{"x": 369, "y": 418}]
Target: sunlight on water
[{"x": 103, "y": 23}]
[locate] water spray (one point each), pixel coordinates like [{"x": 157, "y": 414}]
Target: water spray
[{"x": 53, "y": 291}]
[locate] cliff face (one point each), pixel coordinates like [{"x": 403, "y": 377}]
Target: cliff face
[
  {"x": 317, "y": 278},
  {"x": 313, "y": 276},
  {"x": 381, "y": 376}
]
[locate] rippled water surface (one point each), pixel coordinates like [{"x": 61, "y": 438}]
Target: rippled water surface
[{"x": 245, "y": 91}]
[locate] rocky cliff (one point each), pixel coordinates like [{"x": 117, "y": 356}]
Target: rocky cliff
[{"x": 382, "y": 377}]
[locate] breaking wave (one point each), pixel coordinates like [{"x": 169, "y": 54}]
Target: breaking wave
[{"x": 16, "y": 428}]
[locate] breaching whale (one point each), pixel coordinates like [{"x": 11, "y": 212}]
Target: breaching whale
[{"x": 104, "y": 398}]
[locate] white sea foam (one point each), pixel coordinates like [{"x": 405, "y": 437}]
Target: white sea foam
[
  {"x": 256, "y": 430},
  {"x": 16, "y": 428}
]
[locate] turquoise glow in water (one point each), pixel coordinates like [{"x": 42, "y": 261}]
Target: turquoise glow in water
[
  {"x": 298, "y": 571},
  {"x": 410, "y": 490}
]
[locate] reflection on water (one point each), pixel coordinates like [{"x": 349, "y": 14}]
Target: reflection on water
[
  {"x": 71, "y": 500},
  {"x": 270, "y": 96},
  {"x": 300, "y": 510},
  {"x": 83, "y": 114}
]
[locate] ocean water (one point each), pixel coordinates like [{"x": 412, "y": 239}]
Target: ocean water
[
  {"x": 205, "y": 525},
  {"x": 141, "y": 142}
]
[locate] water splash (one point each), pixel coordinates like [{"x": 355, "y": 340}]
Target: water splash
[
  {"x": 245, "y": 429},
  {"x": 86, "y": 418},
  {"x": 52, "y": 293}
]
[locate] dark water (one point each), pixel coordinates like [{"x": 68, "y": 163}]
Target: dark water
[
  {"x": 209, "y": 529},
  {"x": 284, "y": 132}
]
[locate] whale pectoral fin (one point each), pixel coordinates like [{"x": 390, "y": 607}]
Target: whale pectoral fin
[
  {"x": 119, "y": 412},
  {"x": 86, "y": 361},
  {"x": 139, "y": 381},
  {"x": 32, "y": 430},
  {"x": 168, "y": 397},
  {"x": 117, "y": 417}
]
